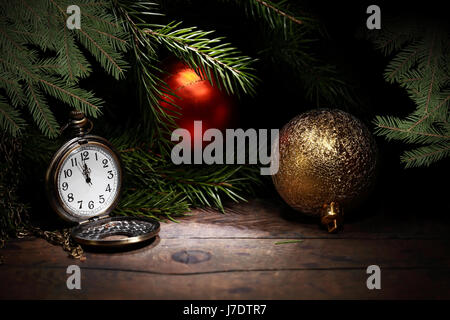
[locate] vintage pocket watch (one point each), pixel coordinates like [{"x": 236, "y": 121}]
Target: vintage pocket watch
[{"x": 83, "y": 184}]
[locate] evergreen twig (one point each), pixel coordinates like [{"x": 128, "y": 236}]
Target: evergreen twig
[
  {"x": 289, "y": 40},
  {"x": 41, "y": 56},
  {"x": 421, "y": 67}
]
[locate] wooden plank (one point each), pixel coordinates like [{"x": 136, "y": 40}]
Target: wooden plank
[
  {"x": 234, "y": 256},
  {"x": 268, "y": 219},
  {"x": 45, "y": 283},
  {"x": 191, "y": 256}
]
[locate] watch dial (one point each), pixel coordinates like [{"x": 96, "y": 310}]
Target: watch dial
[{"x": 88, "y": 180}]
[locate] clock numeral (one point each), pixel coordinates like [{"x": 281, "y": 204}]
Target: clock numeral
[
  {"x": 85, "y": 156},
  {"x": 91, "y": 204},
  {"x": 108, "y": 188},
  {"x": 101, "y": 199},
  {"x": 65, "y": 186},
  {"x": 96, "y": 157},
  {"x": 105, "y": 163},
  {"x": 74, "y": 162},
  {"x": 110, "y": 174},
  {"x": 81, "y": 204},
  {"x": 70, "y": 197},
  {"x": 67, "y": 173}
]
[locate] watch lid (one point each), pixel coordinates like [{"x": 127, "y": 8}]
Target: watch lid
[{"x": 101, "y": 232}]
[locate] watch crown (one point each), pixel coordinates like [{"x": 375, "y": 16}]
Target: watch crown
[
  {"x": 76, "y": 115},
  {"x": 79, "y": 123}
]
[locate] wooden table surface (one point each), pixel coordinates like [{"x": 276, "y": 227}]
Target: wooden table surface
[{"x": 210, "y": 255}]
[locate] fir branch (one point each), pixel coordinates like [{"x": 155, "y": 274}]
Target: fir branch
[
  {"x": 110, "y": 61},
  {"x": 13, "y": 89},
  {"x": 221, "y": 64},
  {"x": 101, "y": 20},
  {"x": 10, "y": 119},
  {"x": 39, "y": 57},
  {"x": 157, "y": 123},
  {"x": 66, "y": 50},
  {"x": 398, "y": 129},
  {"x": 276, "y": 15},
  {"x": 149, "y": 203},
  {"x": 425, "y": 156},
  {"x": 278, "y": 11},
  {"x": 289, "y": 40},
  {"x": 31, "y": 10},
  {"x": 420, "y": 67},
  {"x": 41, "y": 112},
  {"x": 403, "y": 62},
  {"x": 200, "y": 185},
  {"x": 79, "y": 98},
  {"x": 189, "y": 186}
]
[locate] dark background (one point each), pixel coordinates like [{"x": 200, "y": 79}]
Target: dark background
[{"x": 418, "y": 191}]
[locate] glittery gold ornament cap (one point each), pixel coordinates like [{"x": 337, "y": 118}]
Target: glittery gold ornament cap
[{"x": 325, "y": 156}]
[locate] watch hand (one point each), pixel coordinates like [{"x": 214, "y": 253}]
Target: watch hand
[{"x": 87, "y": 171}]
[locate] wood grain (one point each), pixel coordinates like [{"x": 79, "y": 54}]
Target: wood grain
[
  {"x": 191, "y": 256},
  {"x": 268, "y": 219},
  {"x": 234, "y": 256},
  {"x": 49, "y": 283}
]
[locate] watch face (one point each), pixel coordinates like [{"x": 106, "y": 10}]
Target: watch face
[{"x": 88, "y": 180}]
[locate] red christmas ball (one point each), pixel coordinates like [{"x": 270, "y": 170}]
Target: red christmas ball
[{"x": 197, "y": 100}]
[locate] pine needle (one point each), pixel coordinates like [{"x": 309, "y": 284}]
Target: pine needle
[{"x": 288, "y": 241}]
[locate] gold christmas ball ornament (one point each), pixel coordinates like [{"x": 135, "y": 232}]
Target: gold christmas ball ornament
[{"x": 327, "y": 161}]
